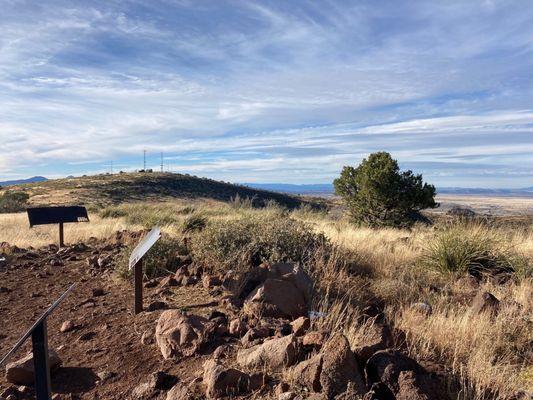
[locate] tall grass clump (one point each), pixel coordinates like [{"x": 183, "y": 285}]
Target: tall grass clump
[
  {"x": 473, "y": 248},
  {"x": 238, "y": 203},
  {"x": 194, "y": 222},
  {"x": 142, "y": 214},
  {"x": 160, "y": 260},
  {"x": 252, "y": 239}
]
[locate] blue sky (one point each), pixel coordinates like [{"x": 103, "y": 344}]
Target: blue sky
[{"x": 268, "y": 91}]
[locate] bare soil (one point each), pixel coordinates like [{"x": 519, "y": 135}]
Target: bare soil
[{"x": 107, "y": 338}]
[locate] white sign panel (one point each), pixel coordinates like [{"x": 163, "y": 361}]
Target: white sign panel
[{"x": 144, "y": 245}]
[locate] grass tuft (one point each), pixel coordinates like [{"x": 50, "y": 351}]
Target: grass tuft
[{"x": 472, "y": 248}]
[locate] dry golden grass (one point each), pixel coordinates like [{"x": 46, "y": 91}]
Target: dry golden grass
[
  {"x": 14, "y": 229},
  {"x": 485, "y": 352},
  {"x": 491, "y": 357}
]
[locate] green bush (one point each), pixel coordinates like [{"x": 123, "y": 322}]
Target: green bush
[
  {"x": 161, "y": 259},
  {"x": 253, "y": 239},
  {"x": 472, "y": 248},
  {"x": 378, "y": 194},
  {"x": 13, "y": 201}
]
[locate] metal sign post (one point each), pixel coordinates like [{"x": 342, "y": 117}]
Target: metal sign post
[
  {"x": 39, "y": 338},
  {"x": 135, "y": 262},
  {"x": 57, "y": 215}
]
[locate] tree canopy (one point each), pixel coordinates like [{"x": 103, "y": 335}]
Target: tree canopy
[{"x": 377, "y": 193}]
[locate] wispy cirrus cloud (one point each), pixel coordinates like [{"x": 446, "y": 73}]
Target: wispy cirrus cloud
[{"x": 269, "y": 90}]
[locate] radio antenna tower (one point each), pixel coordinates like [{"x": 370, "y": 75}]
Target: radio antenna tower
[
  {"x": 161, "y": 161},
  {"x": 144, "y": 160}
]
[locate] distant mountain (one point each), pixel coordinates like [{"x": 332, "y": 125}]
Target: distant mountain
[
  {"x": 22, "y": 181},
  {"x": 314, "y": 188},
  {"x": 327, "y": 189}
]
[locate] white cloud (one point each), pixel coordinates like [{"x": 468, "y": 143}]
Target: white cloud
[{"x": 266, "y": 87}]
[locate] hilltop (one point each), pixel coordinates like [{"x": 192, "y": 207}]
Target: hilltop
[{"x": 102, "y": 190}]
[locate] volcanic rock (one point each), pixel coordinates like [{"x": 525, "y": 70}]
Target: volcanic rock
[{"x": 21, "y": 372}]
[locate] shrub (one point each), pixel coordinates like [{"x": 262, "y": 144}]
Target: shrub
[
  {"x": 251, "y": 240},
  {"x": 161, "y": 259},
  {"x": 378, "y": 194},
  {"x": 13, "y": 201},
  {"x": 194, "y": 222},
  {"x": 470, "y": 248}
]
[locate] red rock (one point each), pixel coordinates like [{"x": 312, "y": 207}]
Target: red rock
[
  {"x": 22, "y": 372},
  {"x": 403, "y": 376},
  {"x": 276, "y": 298},
  {"x": 300, "y": 325},
  {"x": 67, "y": 326},
  {"x": 296, "y": 275},
  {"x": 178, "y": 334},
  {"x": 307, "y": 373},
  {"x": 237, "y": 327},
  {"x": 274, "y": 353},
  {"x": 221, "y": 381},
  {"x": 339, "y": 367},
  {"x": 381, "y": 341},
  {"x": 314, "y": 338},
  {"x": 253, "y": 334}
]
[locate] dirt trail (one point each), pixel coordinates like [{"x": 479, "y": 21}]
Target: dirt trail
[{"x": 107, "y": 340}]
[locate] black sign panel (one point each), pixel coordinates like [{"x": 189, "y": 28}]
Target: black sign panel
[{"x": 57, "y": 215}]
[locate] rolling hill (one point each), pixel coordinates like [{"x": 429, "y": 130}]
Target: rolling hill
[{"x": 101, "y": 190}]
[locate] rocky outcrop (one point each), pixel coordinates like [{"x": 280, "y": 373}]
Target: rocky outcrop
[
  {"x": 178, "y": 334},
  {"x": 332, "y": 371},
  {"x": 339, "y": 367},
  {"x": 276, "y": 298},
  {"x": 222, "y": 381},
  {"x": 277, "y": 290},
  {"x": 381, "y": 340},
  {"x": 300, "y": 326},
  {"x": 274, "y": 354},
  {"x": 307, "y": 373},
  {"x": 156, "y": 382},
  {"x": 403, "y": 376}
]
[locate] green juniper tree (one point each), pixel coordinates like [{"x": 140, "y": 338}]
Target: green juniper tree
[{"x": 377, "y": 193}]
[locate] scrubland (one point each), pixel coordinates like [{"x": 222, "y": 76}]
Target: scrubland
[{"x": 484, "y": 356}]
